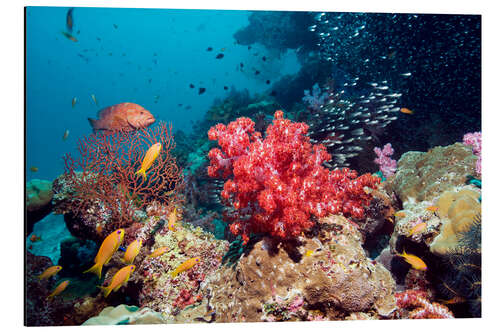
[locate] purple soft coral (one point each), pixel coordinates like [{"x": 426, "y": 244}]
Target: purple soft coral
[
  {"x": 314, "y": 99},
  {"x": 386, "y": 164},
  {"x": 475, "y": 141}
]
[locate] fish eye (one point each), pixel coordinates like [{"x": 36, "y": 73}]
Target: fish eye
[{"x": 119, "y": 232}]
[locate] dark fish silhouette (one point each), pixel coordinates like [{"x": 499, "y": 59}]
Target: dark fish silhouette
[
  {"x": 69, "y": 20},
  {"x": 225, "y": 88},
  {"x": 209, "y": 49},
  {"x": 191, "y": 85},
  {"x": 264, "y": 58},
  {"x": 257, "y": 72},
  {"x": 201, "y": 91},
  {"x": 267, "y": 81},
  {"x": 219, "y": 56}
]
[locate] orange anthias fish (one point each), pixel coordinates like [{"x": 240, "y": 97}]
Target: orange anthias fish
[
  {"x": 185, "y": 266},
  {"x": 34, "y": 169},
  {"x": 132, "y": 251},
  {"x": 109, "y": 246},
  {"x": 432, "y": 209},
  {"x": 69, "y": 19},
  {"x": 406, "y": 111},
  {"x": 418, "y": 228},
  {"x": 149, "y": 159},
  {"x": 172, "y": 219},
  {"x": 118, "y": 280},
  {"x": 122, "y": 117},
  {"x": 59, "y": 289},
  {"x": 158, "y": 252},
  {"x": 414, "y": 261},
  {"x": 400, "y": 214},
  {"x": 51, "y": 271}
]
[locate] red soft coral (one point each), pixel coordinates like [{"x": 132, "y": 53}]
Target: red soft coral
[{"x": 278, "y": 181}]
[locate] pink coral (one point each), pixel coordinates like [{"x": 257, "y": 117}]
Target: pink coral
[
  {"x": 475, "y": 141},
  {"x": 386, "y": 164},
  {"x": 278, "y": 181},
  {"x": 422, "y": 308}
]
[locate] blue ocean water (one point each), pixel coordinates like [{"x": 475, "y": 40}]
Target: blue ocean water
[{"x": 146, "y": 56}]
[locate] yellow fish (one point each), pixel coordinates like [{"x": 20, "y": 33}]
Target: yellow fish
[
  {"x": 132, "y": 251},
  {"x": 118, "y": 280},
  {"x": 432, "y": 209},
  {"x": 418, "y": 228},
  {"x": 185, "y": 266},
  {"x": 158, "y": 252},
  {"x": 149, "y": 159},
  {"x": 59, "y": 289},
  {"x": 109, "y": 246},
  {"x": 33, "y": 169},
  {"x": 400, "y": 214},
  {"x": 309, "y": 253},
  {"x": 94, "y": 99},
  {"x": 66, "y": 134},
  {"x": 172, "y": 218},
  {"x": 414, "y": 261},
  {"x": 73, "y": 102},
  {"x": 51, "y": 271}
]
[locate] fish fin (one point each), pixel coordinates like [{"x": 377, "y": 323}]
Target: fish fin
[
  {"x": 96, "y": 269},
  {"x": 142, "y": 173},
  {"x": 93, "y": 123},
  {"x": 117, "y": 287},
  {"x": 106, "y": 290}
]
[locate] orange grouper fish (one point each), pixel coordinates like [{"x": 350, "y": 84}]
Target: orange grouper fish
[
  {"x": 59, "y": 289},
  {"x": 51, "y": 271},
  {"x": 185, "y": 266},
  {"x": 118, "y": 280},
  {"x": 109, "y": 246},
  {"x": 149, "y": 159},
  {"x": 132, "y": 251},
  {"x": 122, "y": 117}
]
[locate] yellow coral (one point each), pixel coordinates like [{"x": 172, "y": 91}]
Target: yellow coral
[{"x": 457, "y": 211}]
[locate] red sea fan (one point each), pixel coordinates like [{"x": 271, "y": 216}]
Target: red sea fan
[
  {"x": 104, "y": 175},
  {"x": 278, "y": 182}
]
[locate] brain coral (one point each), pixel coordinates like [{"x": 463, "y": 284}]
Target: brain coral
[
  {"x": 457, "y": 210},
  {"x": 327, "y": 277},
  {"x": 423, "y": 176}
]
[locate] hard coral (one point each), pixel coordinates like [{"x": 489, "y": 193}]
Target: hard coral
[
  {"x": 326, "y": 277},
  {"x": 278, "y": 182}
]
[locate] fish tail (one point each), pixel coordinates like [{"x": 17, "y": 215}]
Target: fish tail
[
  {"x": 106, "y": 290},
  {"x": 142, "y": 173},
  {"x": 96, "y": 269}
]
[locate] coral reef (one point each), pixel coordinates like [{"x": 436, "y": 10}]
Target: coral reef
[
  {"x": 475, "y": 141},
  {"x": 320, "y": 277},
  {"x": 278, "y": 181},
  {"x": 422, "y": 308},
  {"x": 423, "y": 176},
  {"x": 457, "y": 210},
  {"x": 169, "y": 295},
  {"x": 126, "y": 315},
  {"x": 38, "y": 201}
]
